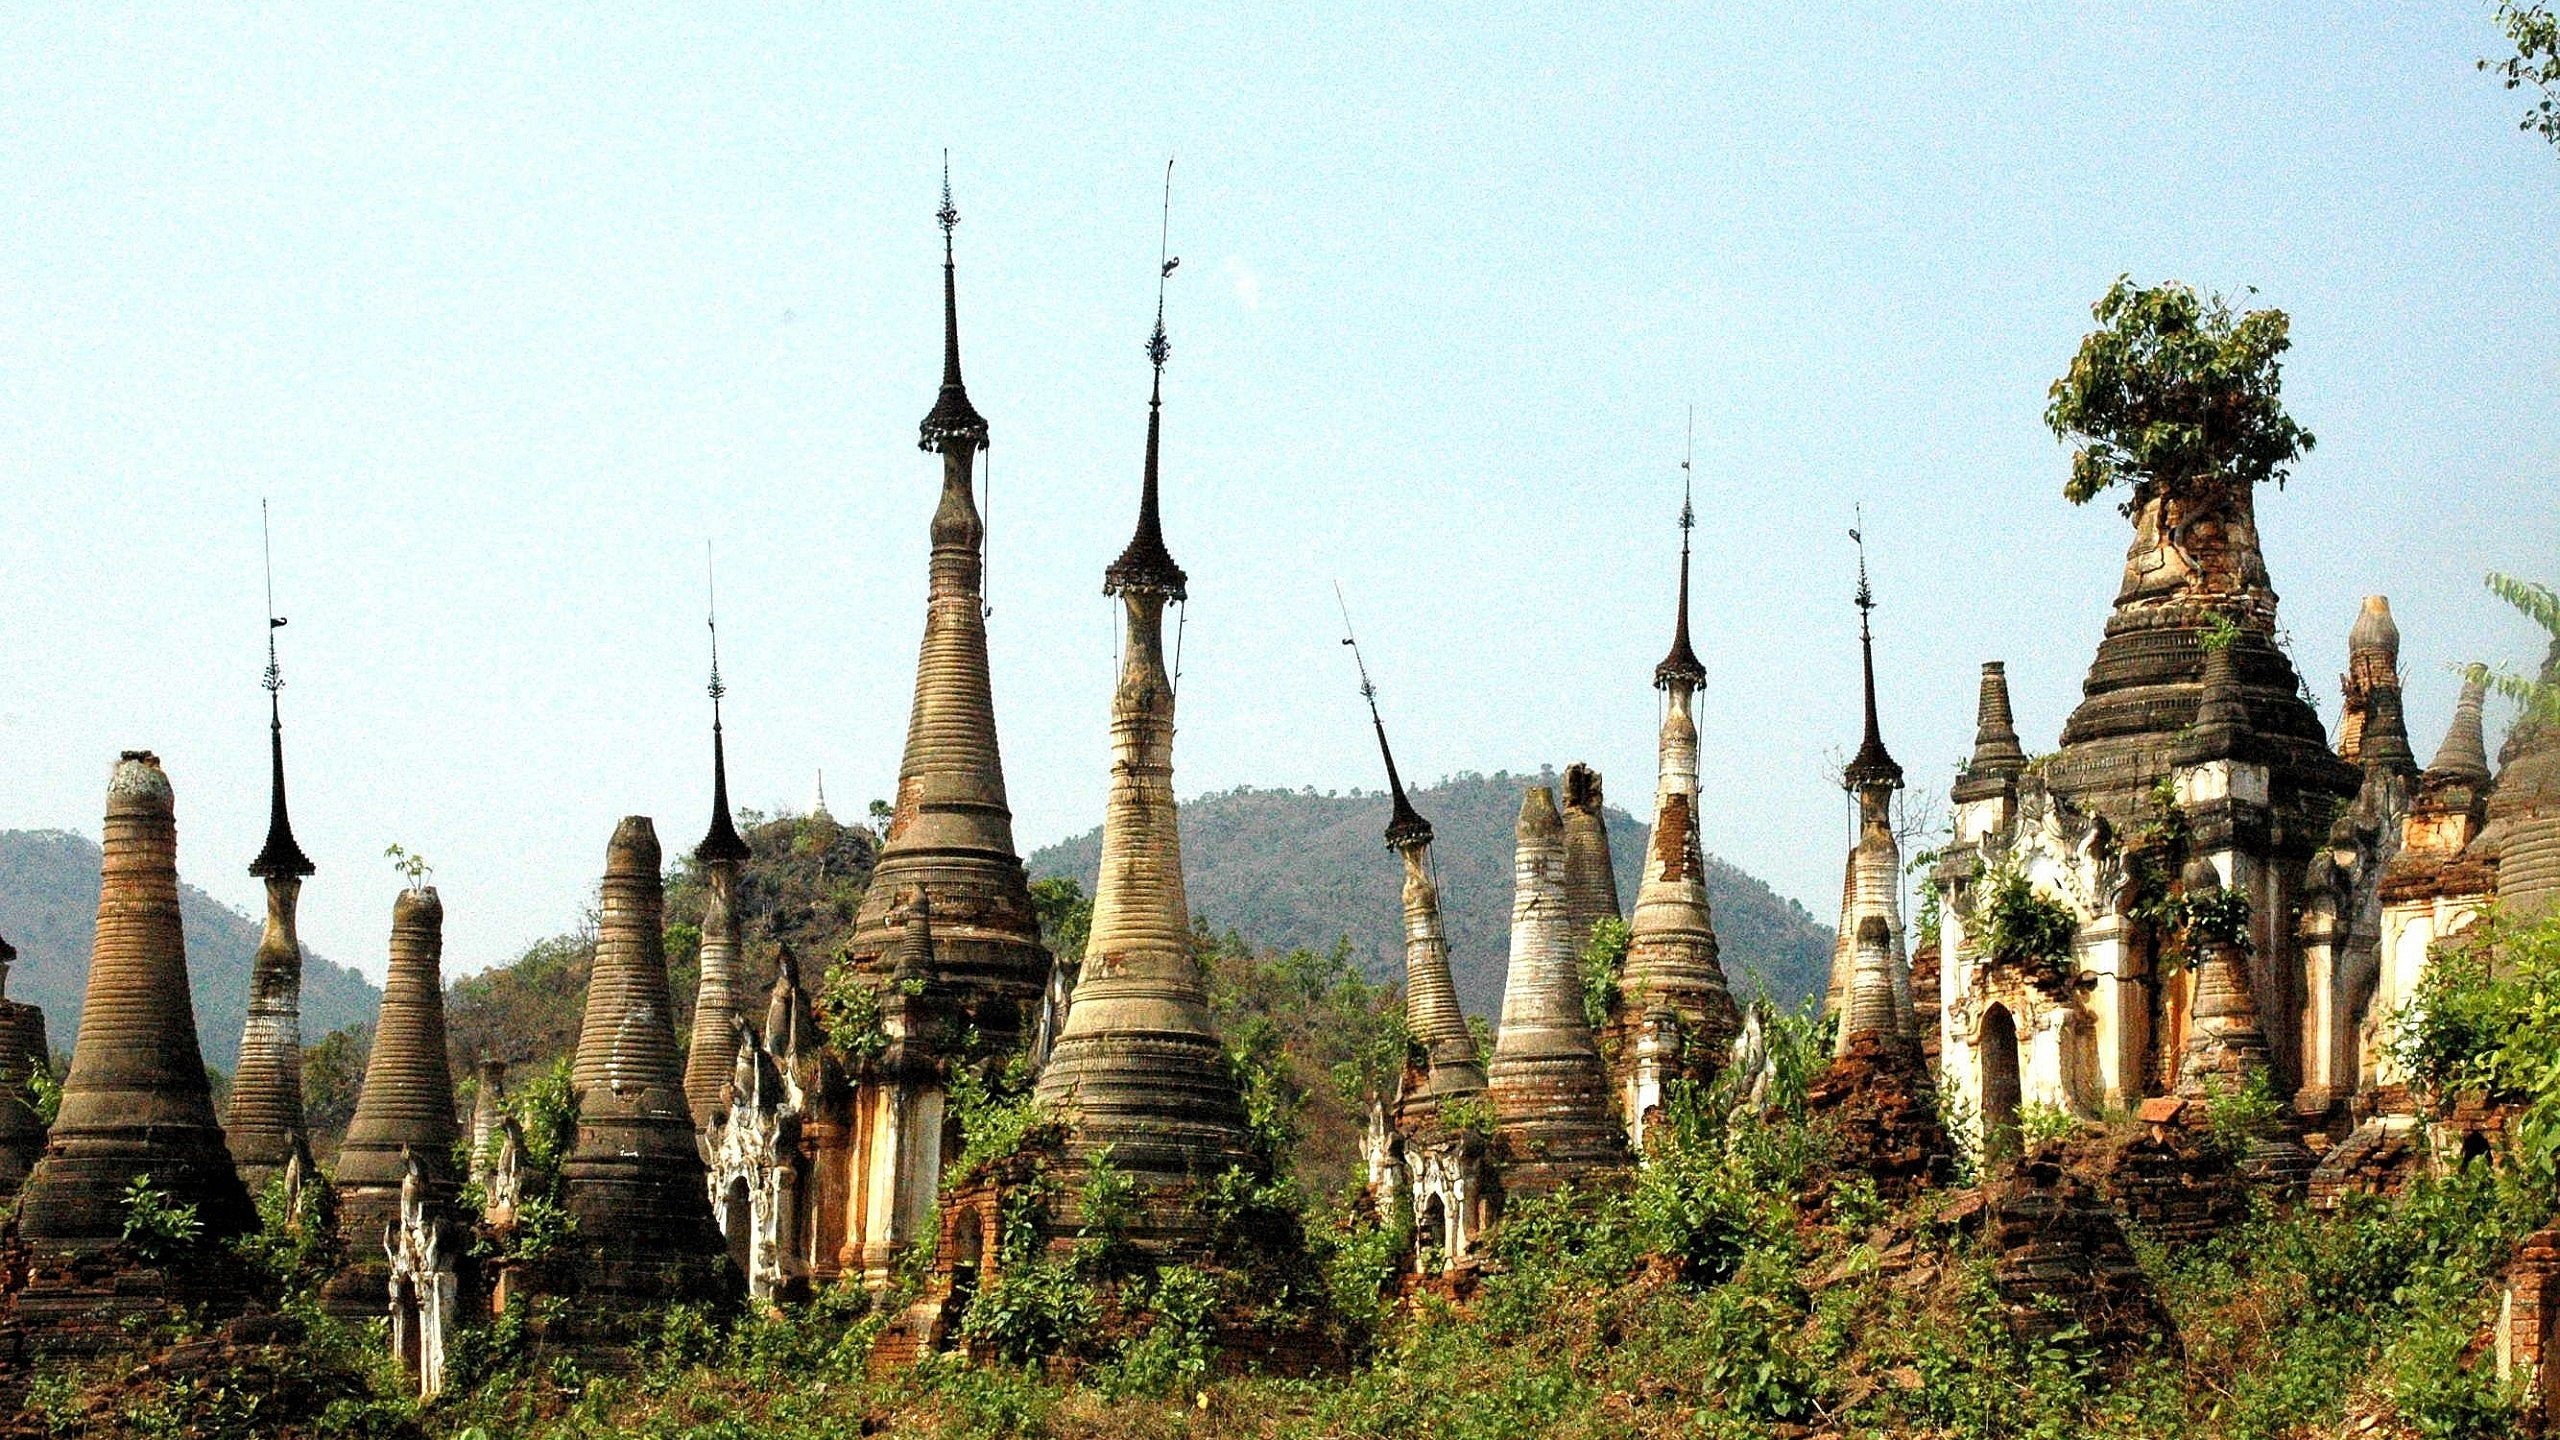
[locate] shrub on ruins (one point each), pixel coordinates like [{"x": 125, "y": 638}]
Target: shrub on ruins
[
  {"x": 158, "y": 1227},
  {"x": 2175, "y": 393},
  {"x": 2023, "y": 928},
  {"x": 1603, "y": 958},
  {"x": 2486, "y": 1017}
]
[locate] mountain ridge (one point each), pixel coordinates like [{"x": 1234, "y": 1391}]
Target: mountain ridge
[
  {"x": 49, "y": 910},
  {"x": 1291, "y": 868}
]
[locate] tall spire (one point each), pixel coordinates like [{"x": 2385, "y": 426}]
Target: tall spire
[
  {"x": 1147, "y": 564},
  {"x": 1405, "y": 825},
  {"x": 1432, "y": 1014},
  {"x": 953, "y": 423},
  {"x": 1872, "y": 766},
  {"x": 1138, "y": 1068},
  {"x": 720, "y": 842},
  {"x": 1672, "y": 971},
  {"x": 281, "y": 856},
  {"x": 716, "y": 1021},
  {"x": 265, "y": 1128},
  {"x": 1681, "y": 668}
]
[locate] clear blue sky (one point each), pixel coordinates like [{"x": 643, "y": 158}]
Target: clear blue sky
[{"x": 509, "y": 316}]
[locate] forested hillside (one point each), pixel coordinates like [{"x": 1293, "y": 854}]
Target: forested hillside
[
  {"x": 1292, "y": 869},
  {"x": 49, "y": 910}
]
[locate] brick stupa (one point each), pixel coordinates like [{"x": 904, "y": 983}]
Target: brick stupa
[
  {"x": 403, "y": 1114},
  {"x": 136, "y": 1105}
]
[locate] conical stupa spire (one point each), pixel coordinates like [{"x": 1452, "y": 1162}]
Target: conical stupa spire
[
  {"x": 1681, "y": 669},
  {"x": 265, "y": 1127},
  {"x": 953, "y": 423},
  {"x": 1996, "y": 750},
  {"x": 950, "y": 833},
  {"x": 1552, "y": 1112},
  {"x": 634, "y": 1183},
  {"x": 1872, "y": 885},
  {"x": 716, "y": 1021},
  {"x": 2464, "y": 755},
  {"x": 1872, "y": 766},
  {"x": 136, "y": 1102},
  {"x": 1672, "y": 965},
  {"x": 1146, "y": 564},
  {"x": 1432, "y": 1015},
  {"x": 1138, "y": 1067},
  {"x": 721, "y": 842},
  {"x": 404, "y": 1114}
]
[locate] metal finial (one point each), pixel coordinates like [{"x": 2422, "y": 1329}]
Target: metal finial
[
  {"x": 1368, "y": 691},
  {"x": 711, "y": 581},
  {"x": 1688, "y": 458},
  {"x": 1159, "y": 349},
  {"x": 1866, "y": 600},
  {"x": 266, "y": 540},
  {"x": 949, "y": 216}
]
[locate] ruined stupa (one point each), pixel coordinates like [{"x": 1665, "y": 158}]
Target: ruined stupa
[
  {"x": 1590, "y": 876},
  {"x": 633, "y": 1183},
  {"x": 717, "y": 1025},
  {"x": 265, "y": 1128},
  {"x": 1553, "y": 1121},
  {"x": 1871, "y": 886},
  {"x": 1422, "y": 1152},
  {"x": 23, "y": 1052},
  {"x": 1675, "y": 1014},
  {"x": 950, "y": 841},
  {"x": 136, "y": 1104},
  {"x": 1138, "y": 1068},
  {"x": 404, "y": 1120}
]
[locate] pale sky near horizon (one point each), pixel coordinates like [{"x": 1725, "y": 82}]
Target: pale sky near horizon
[{"x": 508, "y": 316}]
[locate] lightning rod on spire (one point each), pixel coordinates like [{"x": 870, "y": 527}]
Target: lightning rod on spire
[
  {"x": 266, "y": 543},
  {"x": 1368, "y": 691},
  {"x": 711, "y": 584},
  {"x": 1158, "y": 348}
]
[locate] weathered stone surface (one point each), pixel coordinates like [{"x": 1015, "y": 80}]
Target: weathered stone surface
[
  {"x": 1138, "y": 1067},
  {"x": 1590, "y": 876},
  {"x": 404, "y": 1114},
  {"x": 1672, "y": 987},
  {"x": 634, "y": 1179},
  {"x": 1883, "y": 1115},
  {"x": 1553, "y": 1118},
  {"x": 136, "y": 1102},
  {"x": 2063, "y": 1259}
]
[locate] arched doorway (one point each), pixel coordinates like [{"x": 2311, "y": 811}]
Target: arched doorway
[
  {"x": 1998, "y": 1046},
  {"x": 1434, "y": 1236},
  {"x": 738, "y": 1224}
]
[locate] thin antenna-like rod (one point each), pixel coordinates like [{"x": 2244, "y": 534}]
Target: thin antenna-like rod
[
  {"x": 1158, "y": 349},
  {"x": 1368, "y": 691},
  {"x": 1866, "y": 600},
  {"x": 267, "y": 545},
  {"x": 711, "y": 583}
]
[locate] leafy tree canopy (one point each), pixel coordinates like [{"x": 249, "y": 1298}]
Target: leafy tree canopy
[
  {"x": 2536, "y": 33},
  {"x": 2175, "y": 391}
]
